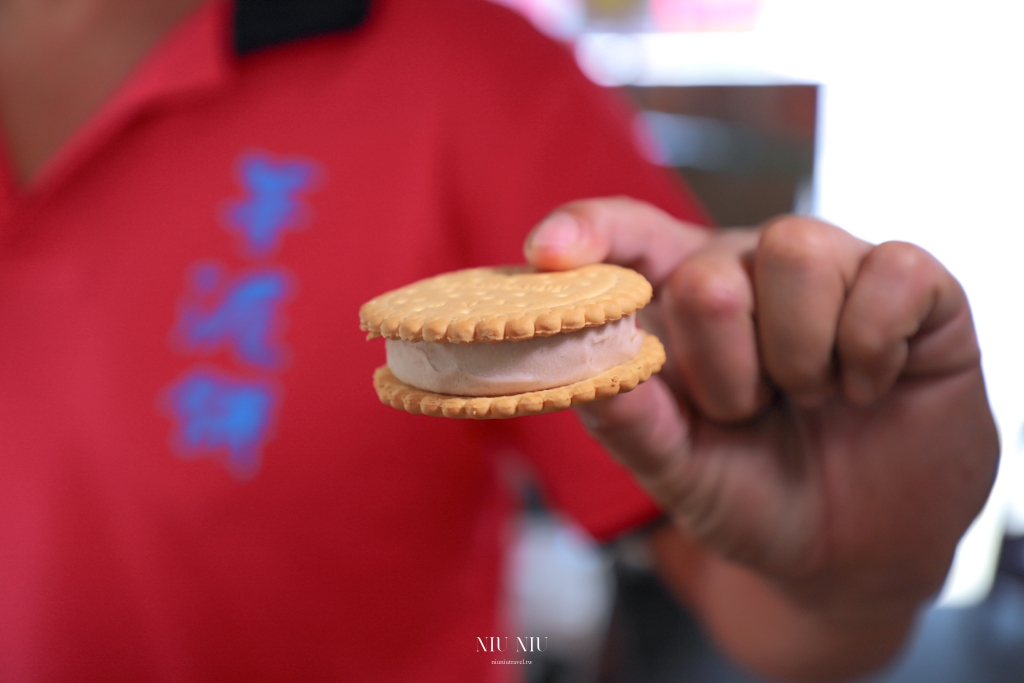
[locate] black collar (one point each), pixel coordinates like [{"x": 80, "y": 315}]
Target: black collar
[{"x": 264, "y": 23}]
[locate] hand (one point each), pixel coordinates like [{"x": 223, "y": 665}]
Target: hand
[{"x": 821, "y": 420}]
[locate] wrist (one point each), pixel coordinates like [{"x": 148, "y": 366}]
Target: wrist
[{"x": 765, "y": 629}]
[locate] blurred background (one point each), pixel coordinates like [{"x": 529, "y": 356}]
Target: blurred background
[{"x": 898, "y": 119}]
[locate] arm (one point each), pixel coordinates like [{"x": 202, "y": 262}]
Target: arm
[{"x": 820, "y": 436}]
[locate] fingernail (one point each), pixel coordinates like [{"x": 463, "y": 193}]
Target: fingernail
[{"x": 557, "y": 232}]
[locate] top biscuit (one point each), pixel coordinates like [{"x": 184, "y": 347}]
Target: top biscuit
[{"x": 507, "y": 303}]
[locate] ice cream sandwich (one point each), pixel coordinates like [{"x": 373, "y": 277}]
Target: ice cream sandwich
[{"x": 503, "y": 342}]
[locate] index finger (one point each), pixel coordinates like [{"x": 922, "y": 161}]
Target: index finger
[{"x": 617, "y": 230}]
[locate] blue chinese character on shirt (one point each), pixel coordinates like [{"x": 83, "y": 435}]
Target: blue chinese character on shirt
[
  {"x": 271, "y": 206},
  {"x": 242, "y": 313},
  {"x": 215, "y": 412}
]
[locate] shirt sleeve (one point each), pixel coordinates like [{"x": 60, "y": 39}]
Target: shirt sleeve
[{"x": 531, "y": 133}]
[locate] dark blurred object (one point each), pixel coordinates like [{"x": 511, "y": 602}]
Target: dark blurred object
[
  {"x": 747, "y": 151},
  {"x": 983, "y": 643},
  {"x": 652, "y": 640},
  {"x": 1011, "y": 558}
]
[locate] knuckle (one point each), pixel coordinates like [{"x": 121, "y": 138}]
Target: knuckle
[
  {"x": 587, "y": 212},
  {"x": 707, "y": 290},
  {"x": 795, "y": 241},
  {"x": 863, "y": 343},
  {"x": 622, "y": 201},
  {"x": 600, "y": 209},
  {"x": 901, "y": 258}
]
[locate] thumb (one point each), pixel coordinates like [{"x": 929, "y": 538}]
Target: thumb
[
  {"x": 617, "y": 230},
  {"x": 646, "y": 431}
]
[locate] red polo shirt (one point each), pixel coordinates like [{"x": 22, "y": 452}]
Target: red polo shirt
[{"x": 197, "y": 482}]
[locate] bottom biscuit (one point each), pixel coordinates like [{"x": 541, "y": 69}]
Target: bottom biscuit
[{"x": 619, "y": 379}]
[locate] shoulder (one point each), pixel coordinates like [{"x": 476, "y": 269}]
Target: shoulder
[
  {"x": 480, "y": 27},
  {"x": 468, "y": 43}
]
